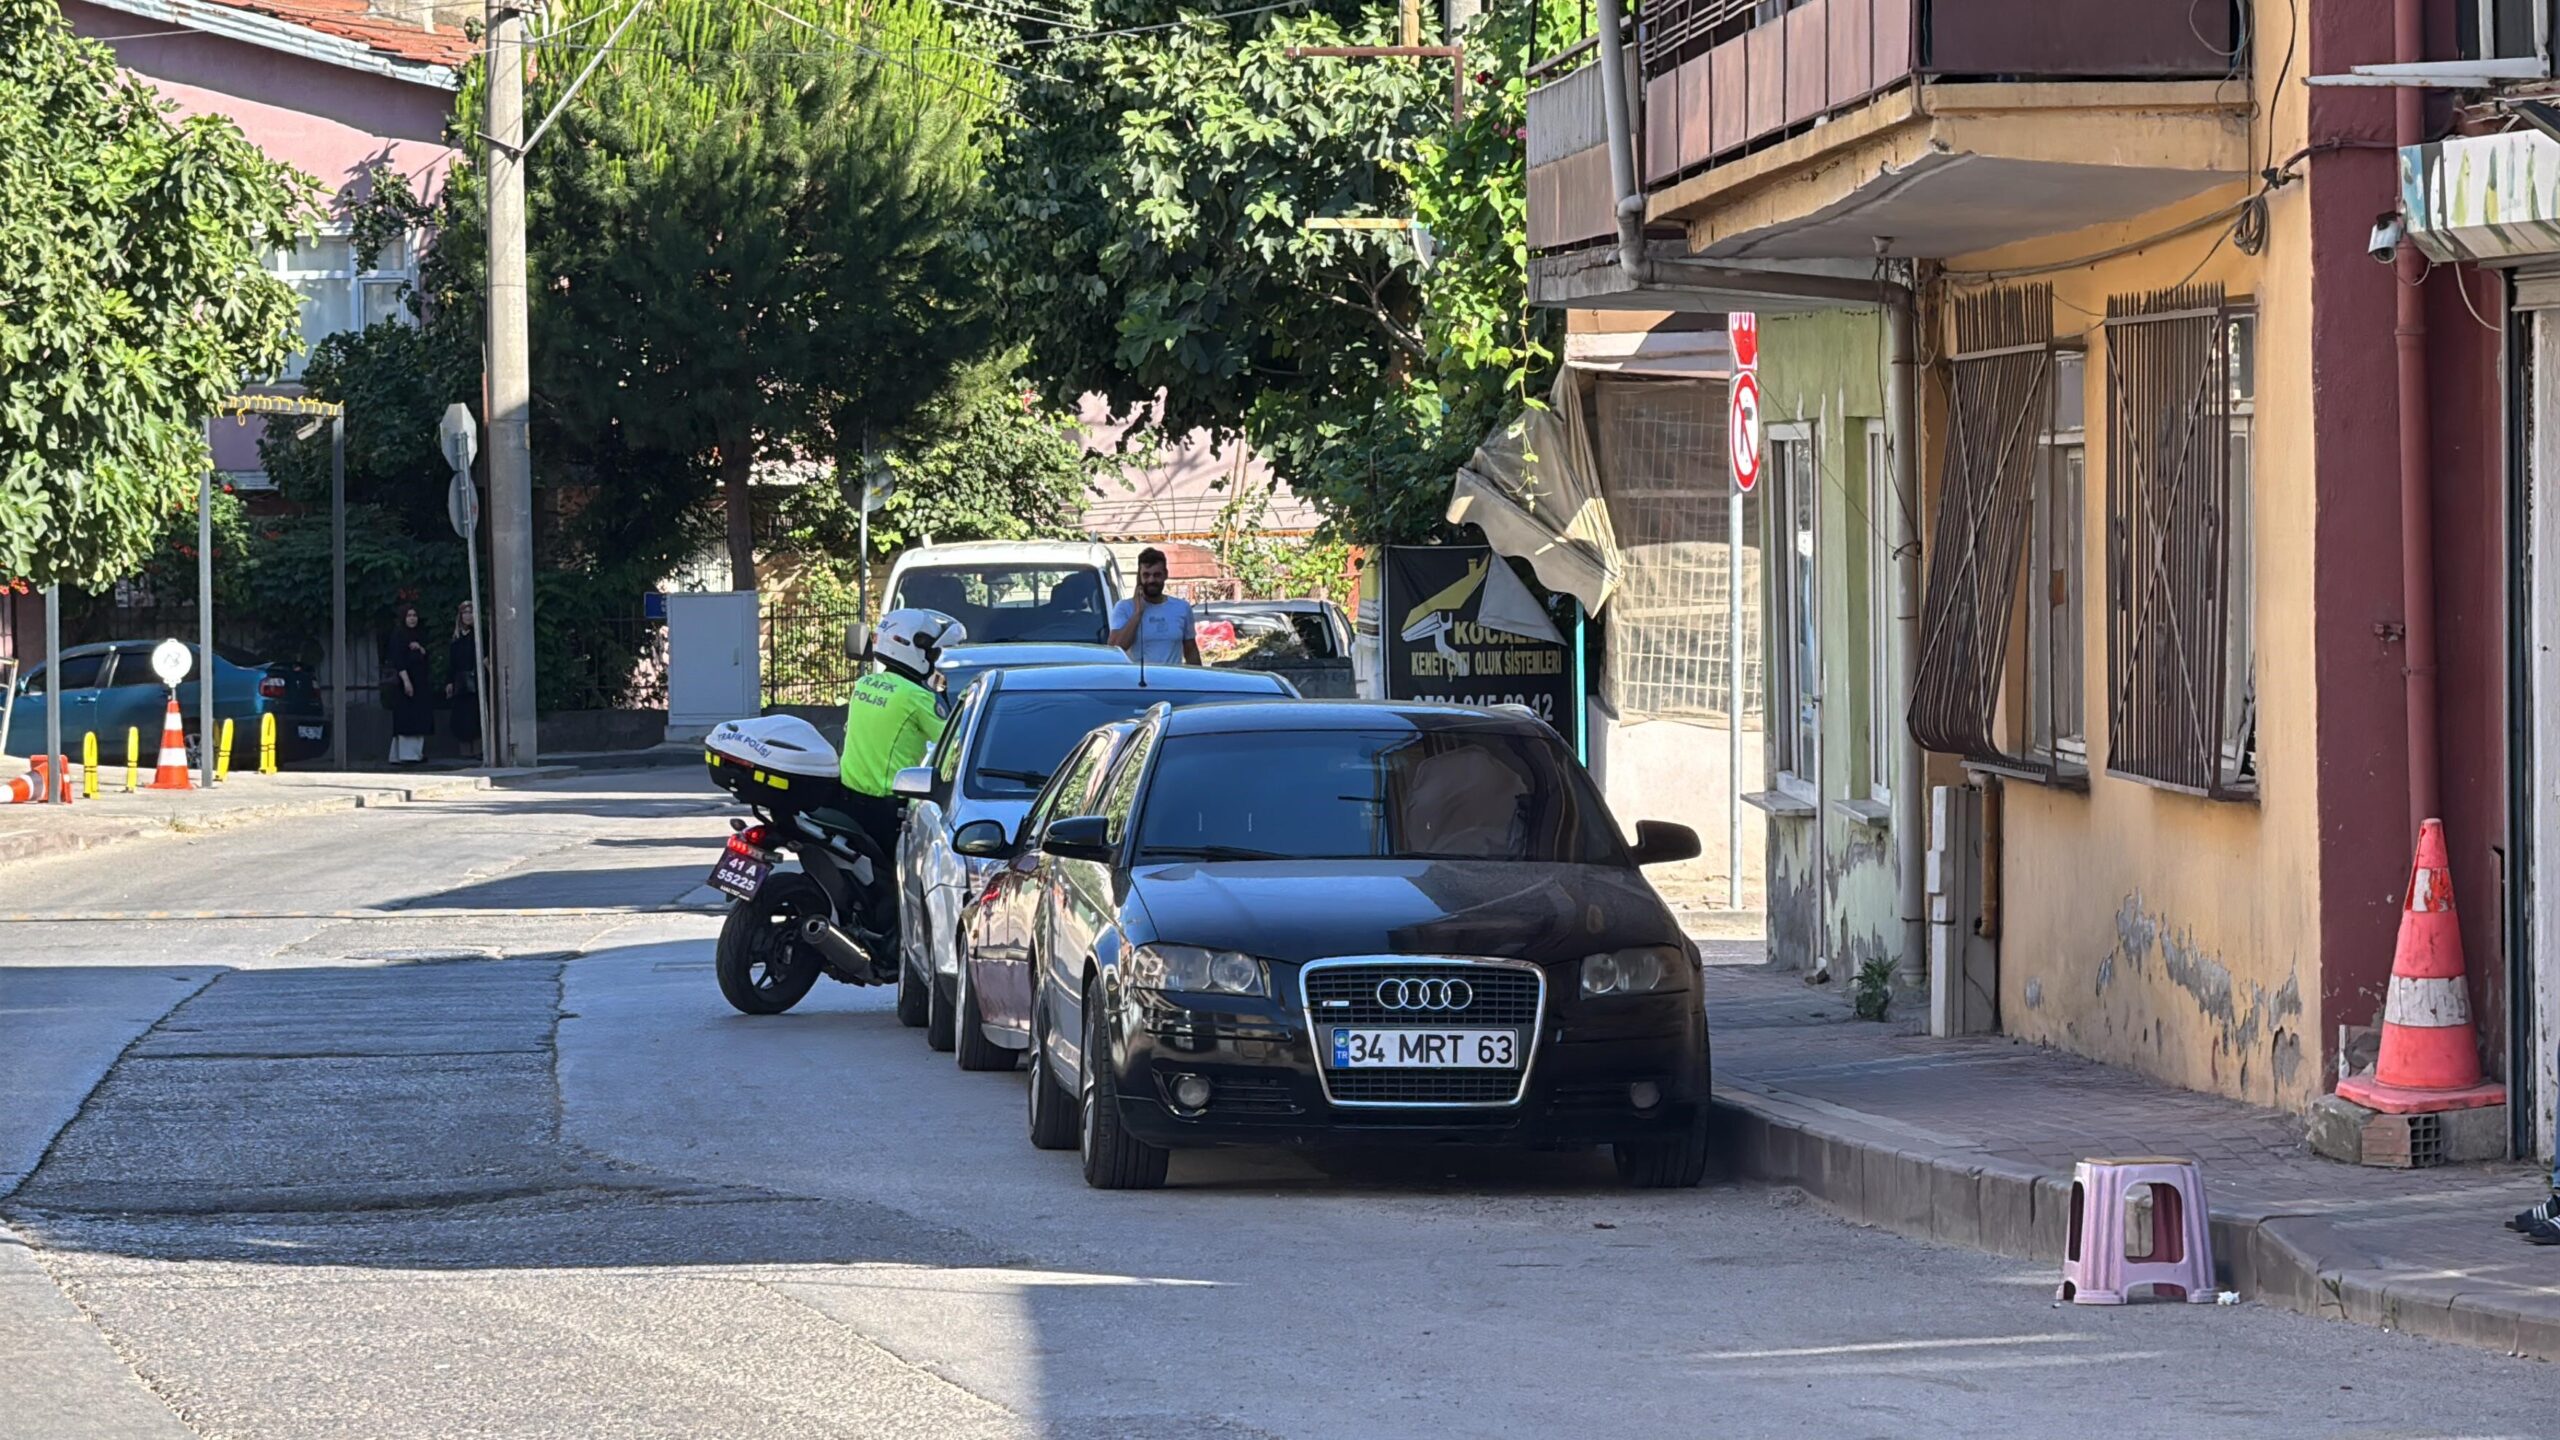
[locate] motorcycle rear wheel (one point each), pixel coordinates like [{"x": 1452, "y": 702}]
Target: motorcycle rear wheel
[{"x": 764, "y": 967}]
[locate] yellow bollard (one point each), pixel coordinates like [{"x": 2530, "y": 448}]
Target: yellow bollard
[
  {"x": 222, "y": 753},
  {"x": 89, "y": 766},
  {"x": 267, "y": 743},
  {"x": 132, "y": 758}
]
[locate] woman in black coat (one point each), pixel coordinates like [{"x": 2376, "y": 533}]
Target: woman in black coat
[
  {"x": 410, "y": 690},
  {"x": 462, "y": 679}
]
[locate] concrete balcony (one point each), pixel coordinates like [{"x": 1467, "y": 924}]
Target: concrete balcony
[{"x": 1812, "y": 130}]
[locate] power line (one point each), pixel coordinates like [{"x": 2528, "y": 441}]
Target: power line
[
  {"x": 910, "y": 66},
  {"x": 1172, "y": 24}
]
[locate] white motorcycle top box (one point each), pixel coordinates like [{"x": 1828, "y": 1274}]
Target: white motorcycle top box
[{"x": 785, "y": 743}]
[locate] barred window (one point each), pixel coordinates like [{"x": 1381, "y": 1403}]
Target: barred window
[
  {"x": 1999, "y": 412},
  {"x": 2180, "y": 649}
]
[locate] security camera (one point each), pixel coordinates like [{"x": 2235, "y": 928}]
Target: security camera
[{"x": 2384, "y": 244}]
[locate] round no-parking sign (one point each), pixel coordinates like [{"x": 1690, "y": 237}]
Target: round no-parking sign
[{"x": 1742, "y": 429}]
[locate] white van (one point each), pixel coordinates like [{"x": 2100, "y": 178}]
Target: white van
[{"x": 1013, "y": 590}]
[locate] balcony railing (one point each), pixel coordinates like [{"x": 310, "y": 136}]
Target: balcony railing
[{"x": 1722, "y": 77}]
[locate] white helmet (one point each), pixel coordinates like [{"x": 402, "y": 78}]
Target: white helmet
[{"x": 915, "y": 639}]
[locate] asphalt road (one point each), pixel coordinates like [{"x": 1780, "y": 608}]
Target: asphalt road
[{"x": 495, "y": 1160}]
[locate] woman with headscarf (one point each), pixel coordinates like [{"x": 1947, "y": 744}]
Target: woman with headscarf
[
  {"x": 410, "y": 690},
  {"x": 462, "y": 679}
]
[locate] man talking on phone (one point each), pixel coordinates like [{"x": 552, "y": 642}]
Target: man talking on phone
[{"x": 1154, "y": 628}]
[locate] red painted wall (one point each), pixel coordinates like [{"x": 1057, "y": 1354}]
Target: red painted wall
[{"x": 2363, "y": 776}]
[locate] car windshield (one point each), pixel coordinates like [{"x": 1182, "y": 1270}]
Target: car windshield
[
  {"x": 1030, "y": 731},
  {"x": 1011, "y": 602},
  {"x": 1394, "y": 795}
]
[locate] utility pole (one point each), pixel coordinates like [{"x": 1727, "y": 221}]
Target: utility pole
[{"x": 510, "y": 399}]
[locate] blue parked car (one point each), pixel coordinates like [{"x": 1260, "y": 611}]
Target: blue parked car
[{"x": 110, "y": 687}]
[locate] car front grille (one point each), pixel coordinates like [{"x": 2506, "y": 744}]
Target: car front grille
[
  {"x": 1499, "y": 996},
  {"x": 1348, "y": 994}
]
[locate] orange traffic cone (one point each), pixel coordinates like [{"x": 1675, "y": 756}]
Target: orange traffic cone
[
  {"x": 173, "y": 753},
  {"x": 42, "y": 771},
  {"x": 2429, "y": 1060}
]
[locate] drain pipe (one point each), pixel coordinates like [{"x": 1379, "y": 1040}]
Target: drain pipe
[
  {"x": 1619, "y": 124},
  {"x": 1910, "y": 794},
  {"x": 2417, "y": 500}
]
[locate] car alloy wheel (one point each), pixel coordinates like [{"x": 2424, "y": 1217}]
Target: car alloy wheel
[{"x": 1053, "y": 1114}]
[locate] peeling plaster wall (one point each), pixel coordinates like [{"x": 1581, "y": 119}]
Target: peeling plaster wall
[
  {"x": 1825, "y": 371},
  {"x": 2174, "y": 935}
]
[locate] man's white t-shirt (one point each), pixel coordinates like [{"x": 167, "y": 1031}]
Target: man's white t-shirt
[{"x": 1161, "y": 633}]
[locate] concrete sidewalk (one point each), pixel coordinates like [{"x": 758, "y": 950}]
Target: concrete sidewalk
[
  {"x": 31, "y": 831},
  {"x": 1972, "y": 1142}
]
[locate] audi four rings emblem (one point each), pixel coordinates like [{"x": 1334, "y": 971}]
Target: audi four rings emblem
[{"x": 1426, "y": 994}]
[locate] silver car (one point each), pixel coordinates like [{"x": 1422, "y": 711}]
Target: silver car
[{"x": 1009, "y": 730}]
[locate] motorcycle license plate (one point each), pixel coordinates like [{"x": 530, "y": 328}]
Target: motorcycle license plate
[
  {"x": 1355, "y": 1049},
  {"x": 740, "y": 875},
  {"x": 306, "y": 732}
]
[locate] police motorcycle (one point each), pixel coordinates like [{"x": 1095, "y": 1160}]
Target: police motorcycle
[{"x": 836, "y": 914}]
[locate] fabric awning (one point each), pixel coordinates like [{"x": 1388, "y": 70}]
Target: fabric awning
[{"x": 1533, "y": 488}]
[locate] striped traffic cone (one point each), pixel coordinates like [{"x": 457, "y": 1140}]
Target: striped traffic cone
[
  {"x": 23, "y": 789},
  {"x": 2429, "y": 1059},
  {"x": 173, "y": 754}
]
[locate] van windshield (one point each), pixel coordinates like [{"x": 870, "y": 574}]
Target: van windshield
[{"x": 1010, "y": 602}]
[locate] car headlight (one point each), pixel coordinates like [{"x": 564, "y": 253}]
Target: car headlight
[
  {"x": 1645, "y": 970},
  {"x": 1191, "y": 968}
]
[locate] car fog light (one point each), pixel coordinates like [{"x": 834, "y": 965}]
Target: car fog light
[
  {"x": 1191, "y": 1092},
  {"x": 1644, "y": 1094}
]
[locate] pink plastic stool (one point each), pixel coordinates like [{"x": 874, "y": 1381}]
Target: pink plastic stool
[{"x": 2096, "y": 1270}]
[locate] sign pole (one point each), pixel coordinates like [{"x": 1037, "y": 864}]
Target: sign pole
[
  {"x": 204, "y": 616},
  {"x": 338, "y": 591},
  {"x": 52, "y": 685},
  {"x": 460, "y": 439},
  {"x": 1742, "y": 331}
]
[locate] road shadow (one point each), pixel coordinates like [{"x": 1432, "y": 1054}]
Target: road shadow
[{"x": 566, "y": 888}]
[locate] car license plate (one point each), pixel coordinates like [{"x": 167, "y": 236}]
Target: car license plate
[
  {"x": 741, "y": 875},
  {"x": 306, "y": 732},
  {"x": 1355, "y": 1049}
]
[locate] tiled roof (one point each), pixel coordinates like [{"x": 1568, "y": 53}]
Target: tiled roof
[
  {"x": 352, "y": 20},
  {"x": 401, "y": 41}
]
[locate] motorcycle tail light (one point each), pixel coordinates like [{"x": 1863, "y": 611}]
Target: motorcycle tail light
[
  {"x": 272, "y": 687},
  {"x": 751, "y": 838}
]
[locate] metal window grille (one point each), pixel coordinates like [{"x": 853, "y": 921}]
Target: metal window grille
[
  {"x": 1665, "y": 477},
  {"x": 2170, "y": 577},
  {"x": 2057, "y": 591},
  {"x": 2000, "y": 386}
]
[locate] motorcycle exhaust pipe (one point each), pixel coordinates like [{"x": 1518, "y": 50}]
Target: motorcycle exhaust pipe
[{"x": 822, "y": 936}]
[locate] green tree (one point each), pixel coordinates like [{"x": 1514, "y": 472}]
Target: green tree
[
  {"x": 984, "y": 460},
  {"x": 748, "y": 232},
  {"x": 131, "y": 298},
  {"x": 1153, "y": 203},
  {"x": 1152, "y": 200},
  {"x": 1383, "y": 471}
]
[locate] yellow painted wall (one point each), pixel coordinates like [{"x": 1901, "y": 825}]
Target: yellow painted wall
[{"x": 2145, "y": 928}]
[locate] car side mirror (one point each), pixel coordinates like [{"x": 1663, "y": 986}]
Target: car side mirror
[
  {"x": 1659, "y": 842},
  {"x": 913, "y": 782},
  {"x": 857, "y": 640},
  {"x": 984, "y": 839},
  {"x": 1079, "y": 837}
]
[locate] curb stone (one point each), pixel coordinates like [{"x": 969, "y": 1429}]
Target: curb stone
[
  {"x": 1981, "y": 1202},
  {"x": 49, "y": 843}
]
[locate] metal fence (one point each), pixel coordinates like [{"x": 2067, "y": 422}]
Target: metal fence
[
  {"x": 1663, "y": 472},
  {"x": 804, "y": 659},
  {"x": 610, "y": 662}
]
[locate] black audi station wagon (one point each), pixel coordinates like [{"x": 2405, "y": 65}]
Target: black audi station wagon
[{"x": 1316, "y": 922}]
